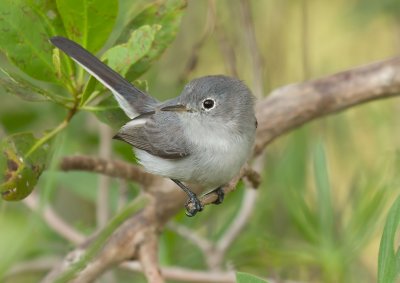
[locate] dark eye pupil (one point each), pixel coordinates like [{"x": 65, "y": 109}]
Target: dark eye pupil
[{"x": 208, "y": 104}]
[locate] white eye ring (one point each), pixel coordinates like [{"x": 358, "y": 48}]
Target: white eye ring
[{"x": 208, "y": 104}]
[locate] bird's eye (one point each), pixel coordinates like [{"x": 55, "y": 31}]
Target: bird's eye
[{"x": 208, "y": 104}]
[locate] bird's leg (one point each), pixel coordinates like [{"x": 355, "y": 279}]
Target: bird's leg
[
  {"x": 192, "y": 199},
  {"x": 220, "y": 193}
]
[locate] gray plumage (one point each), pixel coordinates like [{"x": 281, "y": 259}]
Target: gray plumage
[
  {"x": 203, "y": 136},
  {"x": 153, "y": 135},
  {"x": 194, "y": 144}
]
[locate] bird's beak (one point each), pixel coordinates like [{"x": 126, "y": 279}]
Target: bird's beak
[
  {"x": 124, "y": 137},
  {"x": 176, "y": 108},
  {"x": 117, "y": 136}
]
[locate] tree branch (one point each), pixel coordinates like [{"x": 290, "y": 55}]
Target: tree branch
[
  {"x": 246, "y": 172},
  {"x": 294, "y": 105},
  {"x": 195, "y": 276},
  {"x": 240, "y": 221},
  {"x": 148, "y": 257},
  {"x": 30, "y": 266},
  {"x": 186, "y": 275},
  {"x": 203, "y": 244},
  {"x": 54, "y": 221},
  {"x": 112, "y": 168}
]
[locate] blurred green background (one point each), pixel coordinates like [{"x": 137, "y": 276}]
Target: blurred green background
[{"x": 326, "y": 187}]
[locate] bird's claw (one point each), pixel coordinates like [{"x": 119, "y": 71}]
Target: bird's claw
[
  {"x": 220, "y": 195},
  {"x": 193, "y": 205}
]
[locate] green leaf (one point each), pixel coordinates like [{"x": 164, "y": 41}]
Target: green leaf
[
  {"x": 242, "y": 277},
  {"x": 389, "y": 257},
  {"x": 88, "y": 22},
  {"x": 121, "y": 57},
  {"x": 168, "y": 15},
  {"x": 24, "y": 39},
  {"x": 47, "y": 11},
  {"x": 109, "y": 112},
  {"x": 19, "y": 171},
  {"x": 16, "y": 85},
  {"x": 368, "y": 198},
  {"x": 323, "y": 192}
]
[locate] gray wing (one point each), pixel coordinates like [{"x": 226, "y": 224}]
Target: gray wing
[
  {"x": 159, "y": 133},
  {"x": 131, "y": 99}
]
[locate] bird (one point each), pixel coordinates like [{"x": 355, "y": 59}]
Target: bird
[{"x": 202, "y": 137}]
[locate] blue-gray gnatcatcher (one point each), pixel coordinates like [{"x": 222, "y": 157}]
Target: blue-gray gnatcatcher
[{"x": 204, "y": 136}]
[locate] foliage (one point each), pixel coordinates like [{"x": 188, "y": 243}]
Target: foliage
[
  {"x": 242, "y": 277},
  {"x": 389, "y": 259},
  {"x": 28, "y": 25},
  {"x": 23, "y": 162},
  {"x": 87, "y": 22}
]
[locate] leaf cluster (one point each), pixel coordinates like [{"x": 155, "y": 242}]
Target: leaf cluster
[{"x": 38, "y": 72}]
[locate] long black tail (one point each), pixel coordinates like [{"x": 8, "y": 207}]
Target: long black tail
[{"x": 131, "y": 99}]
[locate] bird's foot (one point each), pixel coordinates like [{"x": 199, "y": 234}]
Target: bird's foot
[
  {"x": 220, "y": 194},
  {"x": 193, "y": 205}
]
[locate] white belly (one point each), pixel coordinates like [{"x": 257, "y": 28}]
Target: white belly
[
  {"x": 217, "y": 152},
  {"x": 213, "y": 161}
]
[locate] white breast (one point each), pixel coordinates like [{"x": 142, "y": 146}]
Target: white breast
[{"x": 216, "y": 156}]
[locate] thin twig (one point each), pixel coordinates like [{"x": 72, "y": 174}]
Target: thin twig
[
  {"x": 240, "y": 221},
  {"x": 54, "y": 221},
  {"x": 148, "y": 257},
  {"x": 203, "y": 244},
  {"x": 112, "y": 168},
  {"x": 34, "y": 265},
  {"x": 194, "y": 276},
  {"x": 186, "y": 275}
]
